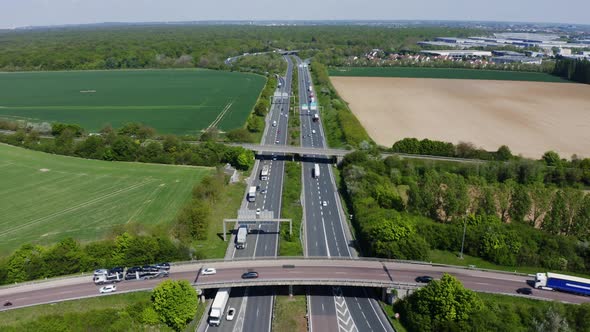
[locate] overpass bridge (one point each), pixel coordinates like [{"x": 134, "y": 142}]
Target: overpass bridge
[
  {"x": 336, "y": 155},
  {"x": 301, "y": 272}
]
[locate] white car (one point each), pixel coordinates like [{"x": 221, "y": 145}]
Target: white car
[
  {"x": 108, "y": 289},
  {"x": 208, "y": 271},
  {"x": 258, "y": 211},
  {"x": 231, "y": 312},
  {"x": 324, "y": 203},
  {"x": 313, "y": 131}
]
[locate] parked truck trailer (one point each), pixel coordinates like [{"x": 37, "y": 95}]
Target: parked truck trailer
[
  {"x": 218, "y": 306},
  {"x": 562, "y": 283}
]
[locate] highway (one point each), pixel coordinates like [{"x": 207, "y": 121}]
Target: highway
[
  {"x": 254, "y": 310},
  {"x": 326, "y": 235}
]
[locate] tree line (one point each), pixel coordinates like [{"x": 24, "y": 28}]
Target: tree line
[
  {"x": 577, "y": 70},
  {"x": 31, "y": 262},
  {"x": 404, "y": 208},
  {"x": 205, "y": 46},
  {"x": 132, "y": 142},
  {"x": 551, "y": 168}
]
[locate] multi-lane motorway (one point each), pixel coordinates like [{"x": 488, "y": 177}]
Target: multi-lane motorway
[
  {"x": 326, "y": 235},
  {"x": 254, "y": 305}
]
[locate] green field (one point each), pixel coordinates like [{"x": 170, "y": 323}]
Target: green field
[
  {"x": 171, "y": 101},
  {"x": 44, "y": 197},
  {"x": 457, "y": 73}
]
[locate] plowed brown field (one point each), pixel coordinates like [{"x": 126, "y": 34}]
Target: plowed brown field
[{"x": 529, "y": 117}]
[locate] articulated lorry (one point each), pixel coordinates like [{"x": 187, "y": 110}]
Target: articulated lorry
[
  {"x": 251, "y": 194},
  {"x": 562, "y": 283},
  {"x": 241, "y": 237},
  {"x": 218, "y": 306}
]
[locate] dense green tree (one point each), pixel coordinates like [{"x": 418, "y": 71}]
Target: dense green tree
[
  {"x": 520, "y": 203},
  {"x": 555, "y": 218},
  {"x": 541, "y": 198},
  {"x": 551, "y": 158},
  {"x": 438, "y": 305},
  {"x": 175, "y": 301},
  {"x": 504, "y": 153},
  {"x": 454, "y": 197},
  {"x": 137, "y": 130}
]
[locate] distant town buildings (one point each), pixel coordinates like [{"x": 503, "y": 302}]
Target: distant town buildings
[{"x": 546, "y": 43}]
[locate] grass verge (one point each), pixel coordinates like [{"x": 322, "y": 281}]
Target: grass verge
[
  {"x": 342, "y": 128},
  {"x": 290, "y": 313},
  {"x": 290, "y": 244},
  {"x": 388, "y": 309},
  {"x": 224, "y": 208},
  {"x": 117, "y": 301}
]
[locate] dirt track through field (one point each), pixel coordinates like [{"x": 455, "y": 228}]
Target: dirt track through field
[{"x": 529, "y": 117}]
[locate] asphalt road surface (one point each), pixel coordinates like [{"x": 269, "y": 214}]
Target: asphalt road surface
[
  {"x": 325, "y": 235},
  {"x": 254, "y": 306}
]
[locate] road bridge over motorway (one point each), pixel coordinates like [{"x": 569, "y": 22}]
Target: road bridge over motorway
[
  {"x": 335, "y": 155},
  {"x": 306, "y": 272}
]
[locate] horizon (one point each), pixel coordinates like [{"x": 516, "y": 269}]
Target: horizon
[
  {"x": 301, "y": 22},
  {"x": 47, "y": 13}
]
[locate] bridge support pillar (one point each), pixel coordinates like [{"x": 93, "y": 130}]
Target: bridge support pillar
[
  {"x": 290, "y": 290},
  {"x": 388, "y": 295},
  {"x": 201, "y": 295}
]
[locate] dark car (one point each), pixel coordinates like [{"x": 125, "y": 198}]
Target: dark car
[
  {"x": 163, "y": 266},
  {"x": 130, "y": 276},
  {"x": 250, "y": 275},
  {"x": 7, "y": 304},
  {"x": 117, "y": 269},
  {"x": 149, "y": 268},
  {"x": 525, "y": 291},
  {"x": 424, "y": 279},
  {"x": 134, "y": 269}
]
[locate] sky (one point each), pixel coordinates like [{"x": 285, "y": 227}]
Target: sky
[{"x": 19, "y": 13}]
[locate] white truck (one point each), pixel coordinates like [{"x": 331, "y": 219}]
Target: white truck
[
  {"x": 218, "y": 306},
  {"x": 241, "y": 238},
  {"x": 316, "y": 117},
  {"x": 316, "y": 171},
  {"x": 264, "y": 173},
  {"x": 251, "y": 194}
]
